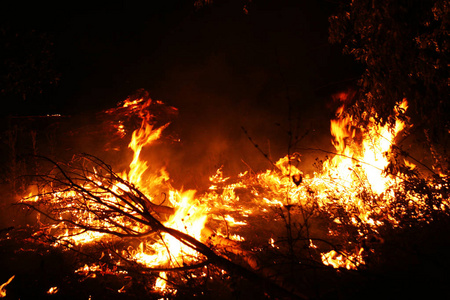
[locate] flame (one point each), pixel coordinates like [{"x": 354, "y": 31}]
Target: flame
[
  {"x": 358, "y": 167},
  {"x": 188, "y": 218},
  {"x": 2, "y": 287},
  {"x": 340, "y": 260},
  {"x": 141, "y": 137},
  {"x": 160, "y": 284},
  {"x": 231, "y": 204},
  {"x": 53, "y": 290},
  {"x": 370, "y": 153},
  {"x": 189, "y": 214},
  {"x": 379, "y": 141}
]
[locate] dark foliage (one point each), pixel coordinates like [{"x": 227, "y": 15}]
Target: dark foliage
[{"x": 404, "y": 48}]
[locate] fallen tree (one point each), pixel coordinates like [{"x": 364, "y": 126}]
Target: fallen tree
[{"x": 87, "y": 197}]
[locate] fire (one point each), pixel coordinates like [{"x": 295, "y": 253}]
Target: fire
[
  {"x": 379, "y": 141},
  {"x": 361, "y": 162},
  {"x": 370, "y": 153},
  {"x": 96, "y": 191},
  {"x": 53, "y": 290},
  {"x": 339, "y": 260},
  {"x": 189, "y": 217},
  {"x": 353, "y": 180},
  {"x": 170, "y": 252},
  {"x": 94, "y": 204},
  {"x": 141, "y": 137},
  {"x": 2, "y": 287}
]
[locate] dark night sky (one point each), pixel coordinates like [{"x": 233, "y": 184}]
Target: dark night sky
[{"x": 221, "y": 68}]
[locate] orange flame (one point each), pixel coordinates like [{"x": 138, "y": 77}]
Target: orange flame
[
  {"x": 358, "y": 166},
  {"x": 2, "y": 287}
]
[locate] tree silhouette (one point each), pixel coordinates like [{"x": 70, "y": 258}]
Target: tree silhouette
[{"x": 404, "y": 48}]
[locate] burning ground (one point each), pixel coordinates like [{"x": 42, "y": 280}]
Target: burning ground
[{"x": 370, "y": 221}]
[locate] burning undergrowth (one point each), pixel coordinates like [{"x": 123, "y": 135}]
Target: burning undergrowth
[{"x": 295, "y": 234}]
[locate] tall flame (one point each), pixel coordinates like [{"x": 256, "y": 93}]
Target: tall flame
[{"x": 189, "y": 216}]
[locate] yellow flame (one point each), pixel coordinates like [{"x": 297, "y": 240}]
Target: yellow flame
[
  {"x": 339, "y": 260},
  {"x": 161, "y": 282},
  {"x": 53, "y": 290},
  {"x": 2, "y": 287},
  {"x": 140, "y": 138}
]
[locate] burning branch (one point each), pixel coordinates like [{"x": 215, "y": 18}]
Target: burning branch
[{"x": 86, "y": 202}]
